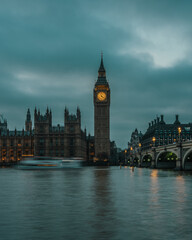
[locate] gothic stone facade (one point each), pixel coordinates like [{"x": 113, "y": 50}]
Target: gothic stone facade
[
  {"x": 44, "y": 140},
  {"x": 59, "y": 141},
  {"x": 68, "y": 140},
  {"x": 101, "y": 98},
  {"x": 14, "y": 145}
]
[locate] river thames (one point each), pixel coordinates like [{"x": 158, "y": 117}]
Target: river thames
[{"x": 95, "y": 203}]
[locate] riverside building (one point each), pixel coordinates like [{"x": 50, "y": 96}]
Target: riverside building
[
  {"x": 161, "y": 133},
  {"x": 45, "y": 139},
  {"x": 67, "y": 140}
]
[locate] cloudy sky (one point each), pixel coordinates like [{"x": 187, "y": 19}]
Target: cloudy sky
[{"x": 50, "y": 55}]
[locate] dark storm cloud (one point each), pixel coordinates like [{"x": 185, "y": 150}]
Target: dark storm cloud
[{"x": 50, "y": 54}]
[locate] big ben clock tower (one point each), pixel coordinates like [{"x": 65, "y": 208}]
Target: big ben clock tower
[{"x": 101, "y": 94}]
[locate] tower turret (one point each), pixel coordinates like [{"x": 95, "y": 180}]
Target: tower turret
[
  {"x": 42, "y": 127},
  {"x": 28, "y": 122},
  {"x": 79, "y": 115},
  {"x": 66, "y": 114},
  {"x": 177, "y": 122}
]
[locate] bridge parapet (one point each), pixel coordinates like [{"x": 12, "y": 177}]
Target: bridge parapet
[{"x": 182, "y": 150}]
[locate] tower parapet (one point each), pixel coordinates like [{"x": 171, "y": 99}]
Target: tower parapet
[
  {"x": 72, "y": 121},
  {"x": 42, "y": 123}
]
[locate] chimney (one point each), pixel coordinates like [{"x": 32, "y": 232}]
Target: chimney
[
  {"x": 177, "y": 119},
  {"x": 162, "y": 118}
]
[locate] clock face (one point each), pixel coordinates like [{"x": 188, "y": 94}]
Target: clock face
[{"x": 101, "y": 96}]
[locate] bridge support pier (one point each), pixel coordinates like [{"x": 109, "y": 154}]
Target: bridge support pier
[
  {"x": 179, "y": 159},
  {"x": 153, "y": 163},
  {"x": 178, "y": 164}
]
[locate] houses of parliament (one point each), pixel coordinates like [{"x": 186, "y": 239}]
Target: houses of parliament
[{"x": 69, "y": 140}]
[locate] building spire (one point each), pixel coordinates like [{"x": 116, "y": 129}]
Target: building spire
[
  {"x": 101, "y": 68},
  {"x": 101, "y": 74},
  {"x": 28, "y": 118},
  {"x": 28, "y": 122}
]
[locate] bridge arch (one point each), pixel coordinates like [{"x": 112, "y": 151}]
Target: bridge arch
[
  {"x": 187, "y": 160},
  {"x": 146, "y": 160},
  {"x": 166, "y": 159}
]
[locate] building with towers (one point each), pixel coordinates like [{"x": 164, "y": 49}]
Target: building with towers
[
  {"x": 160, "y": 133},
  {"x": 59, "y": 141},
  {"x": 101, "y": 99},
  {"x": 42, "y": 138}
]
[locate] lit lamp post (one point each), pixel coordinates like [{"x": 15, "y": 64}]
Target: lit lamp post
[
  {"x": 153, "y": 139},
  {"x": 179, "y": 131},
  {"x": 131, "y": 157},
  {"x": 154, "y": 160},
  {"x": 139, "y": 154},
  {"x": 125, "y": 155},
  {"x": 180, "y": 148}
]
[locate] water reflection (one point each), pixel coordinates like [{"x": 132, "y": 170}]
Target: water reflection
[
  {"x": 104, "y": 221},
  {"x": 154, "y": 189},
  {"x": 181, "y": 189},
  {"x": 95, "y": 203}
]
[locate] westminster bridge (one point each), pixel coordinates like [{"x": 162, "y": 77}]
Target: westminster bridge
[{"x": 172, "y": 156}]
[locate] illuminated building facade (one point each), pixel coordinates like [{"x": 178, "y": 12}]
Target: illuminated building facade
[
  {"x": 44, "y": 140},
  {"x": 14, "y": 145},
  {"x": 160, "y": 133}
]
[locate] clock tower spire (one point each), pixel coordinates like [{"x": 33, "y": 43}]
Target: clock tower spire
[{"x": 101, "y": 94}]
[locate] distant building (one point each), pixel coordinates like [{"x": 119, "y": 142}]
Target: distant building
[
  {"x": 44, "y": 140},
  {"x": 59, "y": 141},
  {"x": 135, "y": 141},
  {"x": 14, "y": 145},
  {"x": 160, "y": 133},
  {"x": 113, "y": 153},
  {"x": 134, "y": 147},
  {"x": 91, "y": 151}
]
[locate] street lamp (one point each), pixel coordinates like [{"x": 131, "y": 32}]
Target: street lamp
[
  {"x": 131, "y": 157},
  {"x": 180, "y": 147},
  {"x": 140, "y": 154},
  {"x": 154, "y": 139},
  {"x": 125, "y": 155},
  {"x": 179, "y": 131}
]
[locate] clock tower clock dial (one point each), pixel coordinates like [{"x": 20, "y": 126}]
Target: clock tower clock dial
[{"x": 101, "y": 94}]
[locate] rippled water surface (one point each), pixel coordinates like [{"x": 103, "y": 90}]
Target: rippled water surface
[{"x": 95, "y": 203}]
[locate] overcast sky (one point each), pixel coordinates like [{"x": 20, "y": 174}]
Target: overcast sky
[{"x": 50, "y": 54}]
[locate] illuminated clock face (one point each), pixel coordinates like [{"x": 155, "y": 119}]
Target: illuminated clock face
[{"x": 101, "y": 96}]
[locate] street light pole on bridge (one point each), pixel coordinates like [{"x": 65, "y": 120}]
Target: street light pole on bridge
[
  {"x": 154, "y": 149},
  {"x": 180, "y": 149}
]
